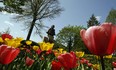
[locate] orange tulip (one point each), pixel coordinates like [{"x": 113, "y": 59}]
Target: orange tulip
[
  {"x": 100, "y": 40},
  {"x": 7, "y": 55}
]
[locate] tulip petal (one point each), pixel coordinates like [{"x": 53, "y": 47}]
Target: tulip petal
[
  {"x": 2, "y": 48},
  {"x": 74, "y": 59},
  {"x": 112, "y": 45},
  {"x": 5, "y": 56},
  {"x": 56, "y": 65},
  {"x": 87, "y": 36},
  {"x": 14, "y": 54},
  {"x": 101, "y": 38},
  {"x": 8, "y": 55},
  {"x": 62, "y": 61}
]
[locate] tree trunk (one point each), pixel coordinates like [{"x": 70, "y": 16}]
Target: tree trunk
[{"x": 31, "y": 29}]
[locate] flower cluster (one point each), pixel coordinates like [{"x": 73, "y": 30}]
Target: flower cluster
[{"x": 8, "y": 50}]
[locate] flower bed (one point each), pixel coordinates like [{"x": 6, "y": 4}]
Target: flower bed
[{"x": 20, "y": 54}]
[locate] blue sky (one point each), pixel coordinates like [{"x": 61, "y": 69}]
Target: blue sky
[{"x": 76, "y": 12}]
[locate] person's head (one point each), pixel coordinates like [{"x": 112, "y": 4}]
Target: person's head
[{"x": 53, "y": 26}]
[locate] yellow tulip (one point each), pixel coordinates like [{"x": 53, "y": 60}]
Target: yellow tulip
[
  {"x": 64, "y": 52},
  {"x": 18, "y": 39},
  {"x": 13, "y": 42},
  {"x": 9, "y": 42},
  {"x": 55, "y": 51},
  {"x": 28, "y": 42},
  {"x": 22, "y": 48},
  {"x": 35, "y": 48},
  {"x": 96, "y": 67},
  {"x": 57, "y": 54},
  {"x": 60, "y": 50},
  {"x": 1, "y": 40},
  {"x": 17, "y": 42},
  {"x": 108, "y": 56},
  {"x": 46, "y": 46},
  {"x": 79, "y": 54},
  {"x": 7, "y": 39}
]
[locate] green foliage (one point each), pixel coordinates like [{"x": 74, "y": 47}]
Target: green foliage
[
  {"x": 111, "y": 16},
  {"x": 13, "y": 6},
  {"x": 72, "y": 34},
  {"x": 92, "y": 21}
]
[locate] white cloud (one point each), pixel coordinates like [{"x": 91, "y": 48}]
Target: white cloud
[
  {"x": 4, "y": 12},
  {"x": 9, "y": 23},
  {"x": 98, "y": 18}
]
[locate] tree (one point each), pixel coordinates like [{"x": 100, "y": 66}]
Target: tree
[
  {"x": 69, "y": 37},
  {"x": 111, "y": 16},
  {"x": 33, "y": 12},
  {"x": 92, "y": 21}
]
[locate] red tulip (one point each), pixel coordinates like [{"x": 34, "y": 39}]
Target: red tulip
[
  {"x": 100, "y": 40},
  {"x": 68, "y": 60},
  {"x": 49, "y": 52},
  {"x": 4, "y": 36},
  {"x": 7, "y": 55},
  {"x": 38, "y": 51},
  {"x": 114, "y": 64},
  {"x": 29, "y": 61},
  {"x": 89, "y": 64},
  {"x": 84, "y": 61},
  {"x": 56, "y": 65}
]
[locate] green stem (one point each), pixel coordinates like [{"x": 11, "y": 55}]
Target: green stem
[
  {"x": 1, "y": 67},
  {"x": 102, "y": 62}
]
